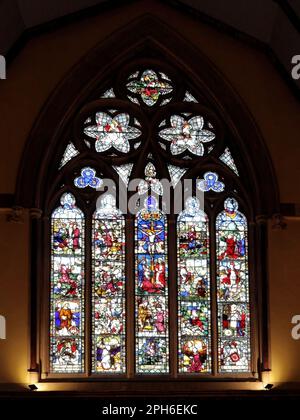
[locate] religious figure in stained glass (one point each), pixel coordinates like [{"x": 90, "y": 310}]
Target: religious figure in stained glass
[
  {"x": 108, "y": 259},
  {"x": 151, "y": 290},
  {"x": 233, "y": 289},
  {"x": 207, "y": 343},
  {"x": 67, "y": 281},
  {"x": 193, "y": 289}
]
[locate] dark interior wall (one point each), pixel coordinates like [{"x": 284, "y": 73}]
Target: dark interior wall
[{"x": 35, "y": 72}]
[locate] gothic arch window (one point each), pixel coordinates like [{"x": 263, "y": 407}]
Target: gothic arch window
[
  {"x": 114, "y": 296},
  {"x": 175, "y": 291}
]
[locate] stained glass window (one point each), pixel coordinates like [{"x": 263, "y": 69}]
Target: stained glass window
[
  {"x": 151, "y": 183},
  {"x": 151, "y": 290},
  {"x": 124, "y": 172},
  {"x": 188, "y": 97},
  {"x": 210, "y": 182},
  {"x": 233, "y": 289},
  {"x": 112, "y": 131},
  {"x": 187, "y": 133},
  {"x": 176, "y": 173},
  {"x": 67, "y": 288},
  {"x": 194, "y": 336},
  {"x": 149, "y": 86},
  {"x": 108, "y": 288},
  {"x": 227, "y": 158},
  {"x": 69, "y": 154},
  {"x": 109, "y": 93},
  {"x": 117, "y": 309},
  {"x": 88, "y": 178}
]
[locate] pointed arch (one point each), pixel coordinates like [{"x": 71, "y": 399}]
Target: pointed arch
[
  {"x": 155, "y": 39},
  {"x": 80, "y": 96}
]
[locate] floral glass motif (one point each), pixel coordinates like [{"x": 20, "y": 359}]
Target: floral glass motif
[
  {"x": 233, "y": 289},
  {"x": 102, "y": 297},
  {"x": 112, "y": 131},
  {"x": 193, "y": 289},
  {"x": 187, "y": 134},
  {"x": 69, "y": 154},
  {"x": 67, "y": 288},
  {"x": 149, "y": 86},
  {"x": 88, "y": 179},
  {"x": 151, "y": 290},
  {"x": 151, "y": 183},
  {"x": 227, "y": 158},
  {"x": 210, "y": 182},
  {"x": 108, "y": 288}
]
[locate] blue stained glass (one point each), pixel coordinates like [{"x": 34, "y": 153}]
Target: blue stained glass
[
  {"x": 210, "y": 182},
  {"x": 88, "y": 179},
  {"x": 185, "y": 136}
]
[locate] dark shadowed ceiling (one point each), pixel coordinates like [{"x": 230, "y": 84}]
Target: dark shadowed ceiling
[{"x": 274, "y": 24}]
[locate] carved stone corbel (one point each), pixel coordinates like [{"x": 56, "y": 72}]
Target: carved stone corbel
[
  {"x": 35, "y": 213},
  {"x": 16, "y": 215},
  {"x": 278, "y": 222},
  {"x": 261, "y": 219}
]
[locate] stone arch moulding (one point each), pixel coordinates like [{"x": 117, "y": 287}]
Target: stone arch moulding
[{"x": 148, "y": 37}]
